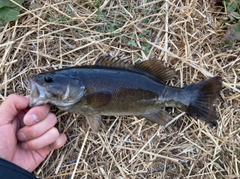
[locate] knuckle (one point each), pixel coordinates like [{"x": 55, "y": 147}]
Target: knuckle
[
  {"x": 52, "y": 117},
  {"x": 13, "y": 96},
  {"x": 57, "y": 144},
  {"x": 41, "y": 110},
  {"x": 54, "y": 132},
  {"x": 48, "y": 139},
  {"x": 34, "y": 133},
  {"x": 31, "y": 133},
  {"x": 32, "y": 145},
  {"x": 45, "y": 107}
]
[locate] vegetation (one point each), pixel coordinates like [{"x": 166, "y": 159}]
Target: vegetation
[
  {"x": 9, "y": 11},
  {"x": 185, "y": 35}
]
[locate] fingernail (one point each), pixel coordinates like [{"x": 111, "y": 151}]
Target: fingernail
[
  {"x": 34, "y": 118},
  {"x": 31, "y": 119},
  {"x": 21, "y": 136}
]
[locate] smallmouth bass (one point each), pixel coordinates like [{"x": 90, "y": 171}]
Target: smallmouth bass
[{"x": 117, "y": 87}]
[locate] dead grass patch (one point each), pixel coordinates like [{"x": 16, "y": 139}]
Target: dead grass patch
[{"x": 185, "y": 35}]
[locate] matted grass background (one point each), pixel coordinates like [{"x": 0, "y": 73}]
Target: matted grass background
[{"x": 185, "y": 35}]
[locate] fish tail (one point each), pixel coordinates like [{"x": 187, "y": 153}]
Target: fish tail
[{"x": 203, "y": 96}]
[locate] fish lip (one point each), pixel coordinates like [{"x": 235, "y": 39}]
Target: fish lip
[{"x": 37, "y": 95}]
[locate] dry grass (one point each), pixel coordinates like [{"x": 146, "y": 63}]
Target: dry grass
[{"x": 183, "y": 34}]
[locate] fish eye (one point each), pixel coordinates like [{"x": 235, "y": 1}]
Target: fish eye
[{"x": 48, "y": 79}]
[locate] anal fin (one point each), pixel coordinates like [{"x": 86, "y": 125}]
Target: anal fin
[{"x": 160, "y": 117}]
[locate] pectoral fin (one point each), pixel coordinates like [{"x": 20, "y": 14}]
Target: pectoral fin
[
  {"x": 94, "y": 121},
  {"x": 161, "y": 117}
]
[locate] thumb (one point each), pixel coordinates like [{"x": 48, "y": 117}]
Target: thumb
[{"x": 10, "y": 107}]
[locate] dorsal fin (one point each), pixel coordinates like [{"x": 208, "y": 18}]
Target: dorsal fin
[
  {"x": 153, "y": 67},
  {"x": 156, "y": 68},
  {"x": 113, "y": 61}
]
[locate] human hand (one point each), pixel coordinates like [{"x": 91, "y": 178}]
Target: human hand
[{"x": 27, "y": 135}]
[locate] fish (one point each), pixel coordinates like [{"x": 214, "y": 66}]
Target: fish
[{"x": 115, "y": 86}]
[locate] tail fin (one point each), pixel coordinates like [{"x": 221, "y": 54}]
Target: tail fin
[{"x": 204, "y": 95}]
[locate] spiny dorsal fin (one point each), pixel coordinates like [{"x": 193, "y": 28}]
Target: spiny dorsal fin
[
  {"x": 113, "y": 61},
  {"x": 156, "y": 68}
]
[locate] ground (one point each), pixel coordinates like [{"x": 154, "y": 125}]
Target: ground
[{"x": 186, "y": 35}]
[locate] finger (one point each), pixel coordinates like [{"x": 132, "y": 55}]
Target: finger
[
  {"x": 41, "y": 142},
  {"x": 61, "y": 140},
  {"x": 10, "y": 107},
  {"x": 36, "y": 114},
  {"x": 34, "y": 131}
]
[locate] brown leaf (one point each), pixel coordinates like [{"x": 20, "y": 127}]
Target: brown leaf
[{"x": 216, "y": 2}]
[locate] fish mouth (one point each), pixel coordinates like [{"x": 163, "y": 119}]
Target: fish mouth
[{"x": 37, "y": 94}]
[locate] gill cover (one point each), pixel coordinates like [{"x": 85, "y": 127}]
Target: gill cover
[{"x": 58, "y": 89}]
